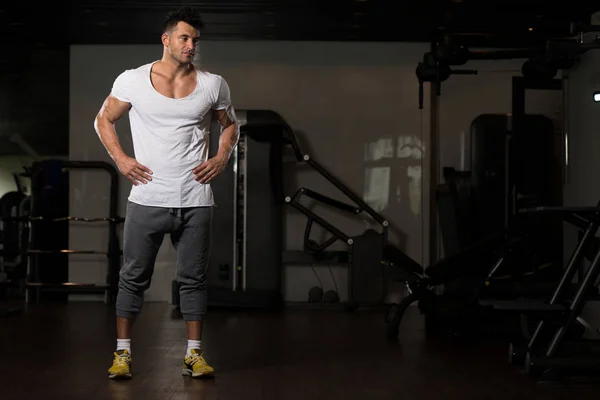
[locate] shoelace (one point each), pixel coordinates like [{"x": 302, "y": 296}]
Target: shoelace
[
  {"x": 196, "y": 358},
  {"x": 121, "y": 359}
]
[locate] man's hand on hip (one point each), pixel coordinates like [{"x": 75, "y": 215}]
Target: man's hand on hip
[
  {"x": 209, "y": 169},
  {"x": 134, "y": 171}
]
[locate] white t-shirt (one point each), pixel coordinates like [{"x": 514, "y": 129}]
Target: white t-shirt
[{"x": 171, "y": 136}]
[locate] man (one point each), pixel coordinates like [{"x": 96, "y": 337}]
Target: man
[{"x": 170, "y": 104}]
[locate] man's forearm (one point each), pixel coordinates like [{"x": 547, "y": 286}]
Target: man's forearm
[
  {"x": 108, "y": 136},
  {"x": 228, "y": 140}
]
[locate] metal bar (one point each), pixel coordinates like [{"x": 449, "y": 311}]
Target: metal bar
[
  {"x": 516, "y": 120},
  {"x": 64, "y": 284},
  {"x": 593, "y": 218},
  {"x": 345, "y": 190},
  {"x": 235, "y": 212},
  {"x": 577, "y": 221},
  {"x": 577, "y": 304},
  {"x": 331, "y": 202},
  {"x": 508, "y": 190},
  {"x": 67, "y": 287},
  {"x": 113, "y": 246},
  {"x": 62, "y": 219},
  {"x": 434, "y": 176},
  {"x": 566, "y": 170},
  {"x": 495, "y": 268},
  {"x": 245, "y": 216},
  {"x": 67, "y": 251},
  {"x": 340, "y": 235},
  {"x": 570, "y": 270},
  {"x": 318, "y": 247},
  {"x": 295, "y": 145},
  {"x": 297, "y": 194}
]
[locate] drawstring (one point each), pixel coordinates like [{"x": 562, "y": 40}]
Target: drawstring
[{"x": 175, "y": 212}]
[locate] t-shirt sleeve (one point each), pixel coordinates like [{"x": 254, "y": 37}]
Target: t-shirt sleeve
[
  {"x": 224, "y": 97},
  {"x": 120, "y": 88}
]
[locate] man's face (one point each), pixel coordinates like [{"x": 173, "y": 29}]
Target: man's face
[{"x": 182, "y": 42}]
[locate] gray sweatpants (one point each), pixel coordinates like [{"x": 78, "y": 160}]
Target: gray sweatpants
[{"x": 144, "y": 231}]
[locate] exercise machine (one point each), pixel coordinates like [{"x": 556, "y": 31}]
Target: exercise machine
[
  {"x": 556, "y": 344},
  {"x": 246, "y": 268},
  {"x": 45, "y": 247},
  {"x": 491, "y": 251},
  {"x": 363, "y": 253},
  {"x": 540, "y": 63},
  {"x": 452, "y": 292},
  {"x": 247, "y": 257}
]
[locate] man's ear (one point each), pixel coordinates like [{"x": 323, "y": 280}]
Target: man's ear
[{"x": 165, "y": 39}]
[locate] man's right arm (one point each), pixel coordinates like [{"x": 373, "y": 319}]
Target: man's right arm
[{"x": 111, "y": 111}]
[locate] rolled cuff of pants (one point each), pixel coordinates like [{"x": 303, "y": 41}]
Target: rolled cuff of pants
[
  {"x": 193, "y": 317},
  {"x": 125, "y": 314}
]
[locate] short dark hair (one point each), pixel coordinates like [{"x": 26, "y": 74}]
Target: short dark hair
[{"x": 184, "y": 14}]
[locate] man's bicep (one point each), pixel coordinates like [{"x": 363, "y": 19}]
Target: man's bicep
[
  {"x": 113, "y": 109},
  {"x": 226, "y": 116},
  {"x": 223, "y": 108}
]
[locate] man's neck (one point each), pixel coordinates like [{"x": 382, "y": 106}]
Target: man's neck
[{"x": 174, "y": 69}]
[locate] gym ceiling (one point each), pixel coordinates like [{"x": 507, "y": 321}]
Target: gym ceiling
[{"x": 488, "y": 23}]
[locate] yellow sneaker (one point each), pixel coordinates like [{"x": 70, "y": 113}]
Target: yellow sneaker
[
  {"x": 121, "y": 367},
  {"x": 195, "y": 365}
]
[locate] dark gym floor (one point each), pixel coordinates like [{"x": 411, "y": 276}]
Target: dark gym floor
[{"x": 63, "y": 352}]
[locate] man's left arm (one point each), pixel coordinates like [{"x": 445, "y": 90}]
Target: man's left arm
[{"x": 230, "y": 134}]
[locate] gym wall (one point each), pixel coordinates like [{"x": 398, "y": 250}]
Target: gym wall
[
  {"x": 582, "y": 187},
  {"x": 354, "y": 107}
]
